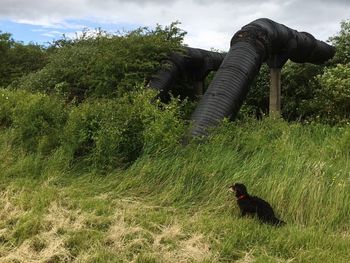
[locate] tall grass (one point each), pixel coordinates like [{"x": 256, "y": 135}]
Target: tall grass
[
  {"x": 173, "y": 205},
  {"x": 301, "y": 169}
]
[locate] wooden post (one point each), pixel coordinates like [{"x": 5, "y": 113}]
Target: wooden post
[
  {"x": 275, "y": 92},
  {"x": 198, "y": 89}
]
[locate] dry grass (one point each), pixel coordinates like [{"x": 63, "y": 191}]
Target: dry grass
[
  {"x": 8, "y": 209},
  {"x": 61, "y": 218},
  {"x": 168, "y": 243},
  {"x": 49, "y": 245},
  {"x": 45, "y": 247},
  {"x": 125, "y": 238},
  {"x": 247, "y": 258}
]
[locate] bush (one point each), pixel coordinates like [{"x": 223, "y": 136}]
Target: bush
[
  {"x": 101, "y": 133},
  {"x": 96, "y": 132},
  {"x": 36, "y": 120},
  {"x": 332, "y": 96},
  {"x": 298, "y": 85},
  {"x": 342, "y": 43},
  {"x": 103, "y": 65},
  {"x": 164, "y": 125},
  {"x": 257, "y": 101},
  {"x": 108, "y": 133},
  {"x": 8, "y": 100}
]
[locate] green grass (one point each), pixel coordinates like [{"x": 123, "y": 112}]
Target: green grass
[{"x": 174, "y": 206}]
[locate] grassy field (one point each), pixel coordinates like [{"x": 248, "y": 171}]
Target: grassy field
[{"x": 174, "y": 206}]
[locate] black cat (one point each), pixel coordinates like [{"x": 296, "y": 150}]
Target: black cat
[{"x": 254, "y": 206}]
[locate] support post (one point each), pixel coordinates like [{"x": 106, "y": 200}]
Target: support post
[{"x": 275, "y": 92}]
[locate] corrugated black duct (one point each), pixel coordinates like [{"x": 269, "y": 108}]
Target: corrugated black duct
[
  {"x": 193, "y": 63},
  {"x": 260, "y": 41}
]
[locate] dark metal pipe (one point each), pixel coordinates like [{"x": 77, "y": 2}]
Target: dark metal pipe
[
  {"x": 260, "y": 41},
  {"x": 192, "y": 62}
]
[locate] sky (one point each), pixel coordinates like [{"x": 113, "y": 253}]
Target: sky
[{"x": 208, "y": 23}]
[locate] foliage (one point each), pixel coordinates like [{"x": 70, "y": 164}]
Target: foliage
[
  {"x": 342, "y": 43},
  {"x": 18, "y": 59},
  {"x": 35, "y": 120},
  {"x": 164, "y": 128},
  {"x": 305, "y": 95},
  {"x": 332, "y": 95},
  {"x": 174, "y": 206},
  {"x": 257, "y": 101},
  {"x": 7, "y": 104},
  {"x": 298, "y": 86},
  {"x": 104, "y": 132},
  {"x": 104, "y": 65},
  {"x": 101, "y": 133},
  {"x": 169, "y": 203},
  {"x": 113, "y": 133},
  {"x": 319, "y": 92}
]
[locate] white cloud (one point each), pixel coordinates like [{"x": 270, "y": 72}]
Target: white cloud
[
  {"x": 208, "y": 23},
  {"x": 48, "y": 34},
  {"x": 52, "y": 33}
]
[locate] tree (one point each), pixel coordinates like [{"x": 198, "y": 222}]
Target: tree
[
  {"x": 332, "y": 96},
  {"x": 342, "y": 44},
  {"x": 18, "y": 59}
]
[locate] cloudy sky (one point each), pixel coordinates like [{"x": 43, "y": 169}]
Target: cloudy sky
[{"x": 209, "y": 23}]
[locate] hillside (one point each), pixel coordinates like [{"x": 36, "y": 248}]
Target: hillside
[
  {"x": 174, "y": 206},
  {"x": 93, "y": 169}
]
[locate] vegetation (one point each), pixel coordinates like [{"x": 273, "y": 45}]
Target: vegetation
[
  {"x": 304, "y": 93},
  {"x": 103, "y": 65},
  {"x": 92, "y": 168},
  {"x": 174, "y": 205},
  {"x": 17, "y": 59}
]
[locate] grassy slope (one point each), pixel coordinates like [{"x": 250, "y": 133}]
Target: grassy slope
[{"x": 175, "y": 207}]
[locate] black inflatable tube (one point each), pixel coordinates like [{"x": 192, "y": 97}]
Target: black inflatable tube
[
  {"x": 193, "y": 62},
  {"x": 260, "y": 41}
]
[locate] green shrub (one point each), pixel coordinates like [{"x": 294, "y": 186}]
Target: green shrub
[
  {"x": 104, "y": 65},
  {"x": 164, "y": 125},
  {"x": 257, "y": 101},
  {"x": 100, "y": 133},
  {"x": 332, "y": 96},
  {"x": 109, "y": 133},
  {"x": 38, "y": 121},
  {"x": 103, "y": 133},
  {"x": 298, "y": 86},
  {"x": 342, "y": 43},
  {"x": 8, "y": 101}
]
